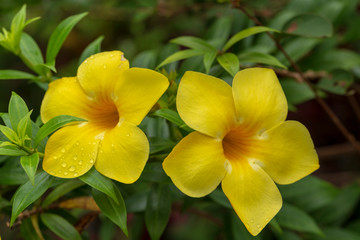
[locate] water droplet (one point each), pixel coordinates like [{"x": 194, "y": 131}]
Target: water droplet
[
  {"x": 82, "y": 149},
  {"x": 64, "y": 164},
  {"x": 76, "y": 174},
  {"x": 52, "y": 173},
  {"x": 75, "y": 158},
  {"x": 104, "y": 65},
  {"x": 91, "y": 160},
  {"x": 128, "y": 134},
  {"x": 55, "y": 157},
  {"x": 258, "y": 226},
  {"x": 72, "y": 168},
  {"x": 94, "y": 143},
  {"x": 59, "y": 171},
  {"x": 63, "y": 150},
  {"x": 85, "y": 61},
  {"x": 251, "y": 221},
  {"x": 65, "y": 173},
  {"x": 80, "y": 162},
  {"x": 112, "y": 145},
  {"x": 77, "y": 143}
]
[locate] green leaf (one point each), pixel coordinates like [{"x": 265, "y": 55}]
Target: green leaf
[
  {"x": 296, "y": 92},
  {"x": 296, "y": 219},
  {"x": 14, "y": 74},
  {"x": 337, "y": 234},
  {"x": 17, "y": 26},
  {"x": 158, "y": 211},
  {"x": 17, "y": 109},
  {"x": 309, "y": 25},
  {"x": 5, "y": 117},
  {"x": 154, "y": 172},
  {"x": 173, "y": 117},
  {"x": 28, "y": 193},
  {"x": 146, "y": 59},
  {"x": 9, "y": 149},
  {"x": 60, "y": 226},
  {"x": 27, "y": 230},
  {"x": 137, "y": 202},
  {"x": 219, "y": 31},
  {"x": 158, "y": 144},
  {"x": 341, "y": 208},
  {"x": 229, "y": 62},
  {"x": 238, "y": 230},
  {"x": 59, "y": 35},
  {"x": 246, "y": 33},
  {"x": 93, "y": 48},
  {"x": 24, "y": 126},
  {"x": 337, "y": 82},
  {"x": 9, "y": 133},
  {"x": 208, "y": 60},
  {"x": 219, "y": 197},
  {"x": 12, "y": 173},
  {"x": 94, "y": 179},
  {"x": 194, "y": 43},
  {"x": 61, "y": 191},
  {"x": 31, "y": 52},
  {"x": 53, "y": 125},
  {"x": 30, "y": 164},
  {"x": 115, "y": 211},
  {"x": 257, "y": 57},
  {"x": 180, "y": 56}
]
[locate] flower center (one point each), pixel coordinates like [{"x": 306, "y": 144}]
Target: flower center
[
  {"x": 104, "y": 115},
  {"x": 239, "y": 143}
]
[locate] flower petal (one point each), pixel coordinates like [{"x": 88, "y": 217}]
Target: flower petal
[
  {"x": 137, "y": 91},
  {"x": 71, "y": 151},
  {"x": 123, "y": 153},
  {"x": 205, "y": 103},
  {"x": 196, "y": 165},
  {"x": 65, "y": 97},
  {"x": 253, "y": 195},
  {"x": 99, "y": 73},
  {"x": 259, "y": 99},
  {"x": 288, "y": 153}
]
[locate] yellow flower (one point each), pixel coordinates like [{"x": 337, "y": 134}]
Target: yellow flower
[
  {"x": 241, "y": 140},
  {"x": 114, "y": 99}
]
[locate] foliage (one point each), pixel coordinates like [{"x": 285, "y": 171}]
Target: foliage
[{"x": 213, "y": 37}]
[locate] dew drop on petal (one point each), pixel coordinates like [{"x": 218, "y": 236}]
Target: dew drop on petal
[
  {"x": 55, "y": 157},
  {"x": 75, "y": 158},
  {"x": 77, "y": 143},
  {"x": 64, "y": 164},
  {"x": 65, "y": 173},
  {"x": 80, "y": 162},
  {"x": 72, "y": 168},
  {"x": 91, "y": 160},
  {"x": 63, "y": 150},
  {"x": 128, "y": 134},
  {"x": 76, "y": 174},
  {"x": 104, "y": 65},
  {"x": 59, "y": 171},
  {"x": 258, "y": 226},
  {"x": 52, "y": 173}
]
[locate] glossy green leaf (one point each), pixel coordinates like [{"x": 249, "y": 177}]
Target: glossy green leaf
[
  {"x": 154, "y": 172},
  {"x": 180, "y": 56},
  {"x": 28, "y": 231},
  {"x": 94, "y": 179},
  {"x": 341, "y": 208},
  {"x": 14, "y": 74},
  {"x": 219, "y": 197},
  {"x": 30, "y": 165},
  {"x": 246, "y": 33},
  {"x": 9, "y": 149},
  {"x": 59, "y": 35},
  {"x": 296, "y": 219},
  {"x": 17, "y": 26},
  {"x": 173, "y": 117},
  {"x": 31, "y": 52},
  {"x": 115, "y": 211},
  {"x": 28, "y": 193},
  {"x": 194, "y": 43},
  {"x": 146, "y": 59},
  {"x": 229, "y": 62},
  {"x": 209, "y": 60},
  {"x": 287, "y": 235},
  {"x": 296, "y": 92},
  {"x": 158, "y": 211},
  {"x": 53, "y": 125},
  {"x": 61, "y": 190},
  {"x": 334, "y": 233},
  {"x": 158, "y": 144},
  {"x": 17, "y": 109},
  {"x": 9, "y": 133},
  {"x": 93, "y": 48},
  {"x": 238, "y": 230},
  {"x": 257, "y": 57},
  {"x": 309, "y": 25},
  {"x": 137, "y": 203},
  {"x": 337, "y": 82},
  {"x": 60, "y": 226},
  {"x": 24, "y": 126},
  {"x": 12, "y": 173},
  {"x": 219, "y": 31}
]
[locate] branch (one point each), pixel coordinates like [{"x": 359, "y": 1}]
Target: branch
[{"x": 323, "y": 104}]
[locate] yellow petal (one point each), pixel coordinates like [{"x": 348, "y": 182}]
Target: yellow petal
[
  {"x": 196, "y": 165},
  {"x": 123, "y": 153},
  {"x": 259, "y": 99},
  {"x": 65, "y": 97},
  {"x": 253, "y": 195},
  {"x": 137, "y": 91},
  {"x": 99, "y": 74},
  {"x": 288, "y": 153},
  {"x": 206, "y": 104},
  {"x": 71, "y": 151}
]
